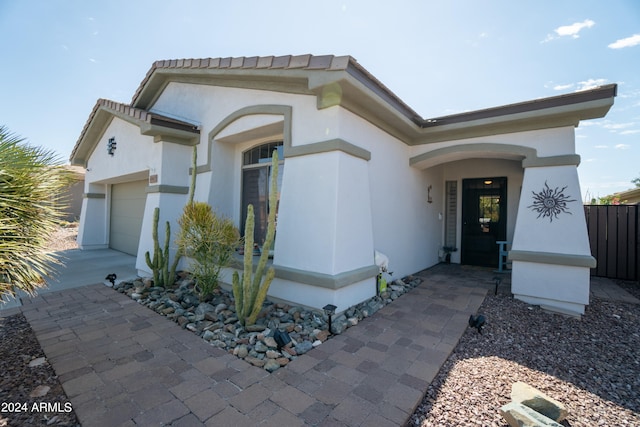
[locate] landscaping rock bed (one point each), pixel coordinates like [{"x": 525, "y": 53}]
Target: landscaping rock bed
[
  {"x": 30, "y": 391},
  {"x": 592, "y": 365},
  {"x": 215, "y": 319}
]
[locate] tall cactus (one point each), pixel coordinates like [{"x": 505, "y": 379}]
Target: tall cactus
[
  {"x": 162, "y": 275},
  {"x": 250, "y": 292}
]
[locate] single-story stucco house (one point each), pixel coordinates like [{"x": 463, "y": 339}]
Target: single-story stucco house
[{"x": 360, "y": 172}]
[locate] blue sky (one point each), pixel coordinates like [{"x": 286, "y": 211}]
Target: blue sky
[{"x": 440, "y": 57}]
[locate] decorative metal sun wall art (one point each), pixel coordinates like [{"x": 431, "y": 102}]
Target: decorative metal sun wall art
[{"x": 550, "y": 203}]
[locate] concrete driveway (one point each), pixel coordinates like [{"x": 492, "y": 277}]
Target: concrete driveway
[{"x": 83, "y": 268}]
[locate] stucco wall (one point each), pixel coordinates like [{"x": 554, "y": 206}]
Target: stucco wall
[
  {"x": 406, "y": 227},
  {"x": 403, "y": 225},
  {"x": 547, "y": 142},
  {"x": 134, "y": 154}
]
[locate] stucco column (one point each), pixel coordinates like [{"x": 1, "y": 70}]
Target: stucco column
[
  {"x": 550, "y": 252},
  {"x": 92, "y": 230},
  {"x": 167, "y": 190},
  {"x": 325, "y": 235}
]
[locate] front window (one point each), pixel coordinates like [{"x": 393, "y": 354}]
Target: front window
[{"x": 256, "y": 175}]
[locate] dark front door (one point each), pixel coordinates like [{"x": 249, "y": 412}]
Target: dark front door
[{"x": 484, "y": 220}]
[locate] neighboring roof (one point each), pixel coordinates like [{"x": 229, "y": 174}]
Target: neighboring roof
[
  {"x": 341, "y": 80},
  {"x": 629, "y": 196},
  {"x": 150, "y": 124}
]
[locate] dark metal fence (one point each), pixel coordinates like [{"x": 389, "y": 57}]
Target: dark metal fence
[{"x": 614, "y": 237}]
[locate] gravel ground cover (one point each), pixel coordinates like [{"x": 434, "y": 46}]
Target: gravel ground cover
[
  {"x": 65, "y": 238},
  {"x": 30, "y": 392},
  {"x": 591, "y": 365}
]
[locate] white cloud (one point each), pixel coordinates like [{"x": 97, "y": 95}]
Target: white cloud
[
  {"x": 617, "y": 126},
  {"x": 563, "y": 87},
  {"x": 573, "y": 29},
  {"x": 92, "y": 60},
  {"x": 623, "y": 146},
  {"x": 548, "y": 38},
  {"x": 626, "y": 42},
  {"x": 629, "y": 132},
  {"x": 591, "y": 84}
]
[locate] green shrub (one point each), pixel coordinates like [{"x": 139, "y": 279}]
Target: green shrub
[{"x": 209, "y": 240}]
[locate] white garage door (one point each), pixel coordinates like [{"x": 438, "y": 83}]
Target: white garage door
[{"x": 127, "y": 209}]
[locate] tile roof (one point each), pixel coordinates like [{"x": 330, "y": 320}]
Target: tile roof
[
  {"x": 355, "y": 81},
  {"x": 289, "y": 62},
  {"x": 306, "y": 62},
  {"x": 136, "y": 114}
]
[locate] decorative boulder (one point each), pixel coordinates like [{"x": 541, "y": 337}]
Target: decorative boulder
[
  {"x": 518, "y": 415},
  {"x": 538, "y": 401}
]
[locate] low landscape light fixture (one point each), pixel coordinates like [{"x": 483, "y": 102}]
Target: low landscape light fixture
[
  {"x": 329, "y": 310},
  {"x": 111, "y": 146}
]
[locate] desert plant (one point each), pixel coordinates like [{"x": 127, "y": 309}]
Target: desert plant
[
  {"x": 159, "y": 264},
  {"x": 209, "y": 240},
  {"x": 250, "y": 290},
  {"x": 30, "y": 179}
]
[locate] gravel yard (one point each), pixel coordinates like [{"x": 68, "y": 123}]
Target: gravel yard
[
  {"x": 28, "y": 379},
  {"x": 65, "y": 238},
  {"x": 591, "y": 365}
]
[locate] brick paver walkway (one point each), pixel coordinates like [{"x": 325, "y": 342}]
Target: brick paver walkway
[{"x": 123, "y": 364}]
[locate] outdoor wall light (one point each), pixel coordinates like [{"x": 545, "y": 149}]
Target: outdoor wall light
[
  {"x": 111, "y": 146},
  {"x": 329, "y": 310},
  {"x": 429, "y": 198}
]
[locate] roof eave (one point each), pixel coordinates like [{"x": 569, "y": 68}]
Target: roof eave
[
  {"x": 342, "y": 81},
  {"x": 161, "y": 128},
  {"x": 97, "y": 125},
  {"x": 289, "y": 81},
  {"x": 567, "y": 110}
]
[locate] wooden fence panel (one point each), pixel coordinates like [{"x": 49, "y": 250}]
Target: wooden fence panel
[
  {"x": 611, "y": 216},
  {"x": 622, "y": 250},
  {"x": 614, "y": 238}
]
